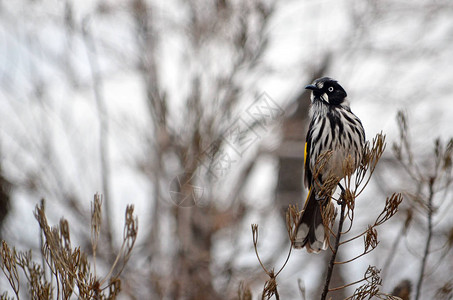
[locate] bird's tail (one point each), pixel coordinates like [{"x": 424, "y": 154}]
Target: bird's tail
[{"x": 310, "y": 230}]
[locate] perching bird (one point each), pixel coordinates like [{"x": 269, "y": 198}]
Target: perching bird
[{"x": 334, "y": 130}]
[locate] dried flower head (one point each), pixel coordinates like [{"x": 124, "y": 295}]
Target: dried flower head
[
  {"x": 292, "y": 220},
  {"x": 370, "y": 239},
  {"x": 391, "y": 207},
  {"x": 445, "y": 291}
]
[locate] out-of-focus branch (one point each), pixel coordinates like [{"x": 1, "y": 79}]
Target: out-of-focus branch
[
  {"x": 435, "y": 179},
  {"x": 103, "y": 127},
  {"x": 429, "y": 235}
]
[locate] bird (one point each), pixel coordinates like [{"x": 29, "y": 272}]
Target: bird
[{"x": 335, "y": 136}]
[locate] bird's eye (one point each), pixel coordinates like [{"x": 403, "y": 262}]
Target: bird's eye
[{"x": 330, "y": 89}]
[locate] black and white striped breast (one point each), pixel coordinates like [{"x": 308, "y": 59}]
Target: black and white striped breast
[{"x": 334, "y": 128}]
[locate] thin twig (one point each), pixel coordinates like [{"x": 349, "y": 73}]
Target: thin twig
[
  {"x": 428, "y": 238},
  {"x": 352, "y": 259},
  {"x": 349, "y": 284},
  {"x": 334, "y": 252}
]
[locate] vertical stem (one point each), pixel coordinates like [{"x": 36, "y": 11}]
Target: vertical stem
[
  {"x": 428, "y": 239},
  {"x": 103, "y": 128},
  {"x": 392, "y": 252},
  {"x": 41, "y": 246},
  {"x": 334, "y": 253}
]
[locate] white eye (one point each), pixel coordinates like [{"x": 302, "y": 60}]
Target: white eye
[{"x": 330, "y": 89}]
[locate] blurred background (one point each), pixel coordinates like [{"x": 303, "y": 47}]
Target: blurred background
[{"x": 195, "y": 112}]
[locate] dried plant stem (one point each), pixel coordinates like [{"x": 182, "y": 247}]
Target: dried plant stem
[
  {"x": 349, "y": 284},
  {"x": 428, "y": 239},
  {"x": 41, "y": 245},
  {"x": 335, "y": 250},
  {"x": 277, "y": 295},
  {"x": 352, "y": 259}
]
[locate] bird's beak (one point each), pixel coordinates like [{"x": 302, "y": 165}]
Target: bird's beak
[{"x": 311, "y": 87}]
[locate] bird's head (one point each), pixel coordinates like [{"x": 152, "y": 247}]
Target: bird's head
[{"x": 327, "y": 90}]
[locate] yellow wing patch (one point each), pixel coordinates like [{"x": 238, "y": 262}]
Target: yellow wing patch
[{"x": 305, "y": 154}]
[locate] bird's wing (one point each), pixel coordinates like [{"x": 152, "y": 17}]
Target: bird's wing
[{"x": 307, "y": 172}]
